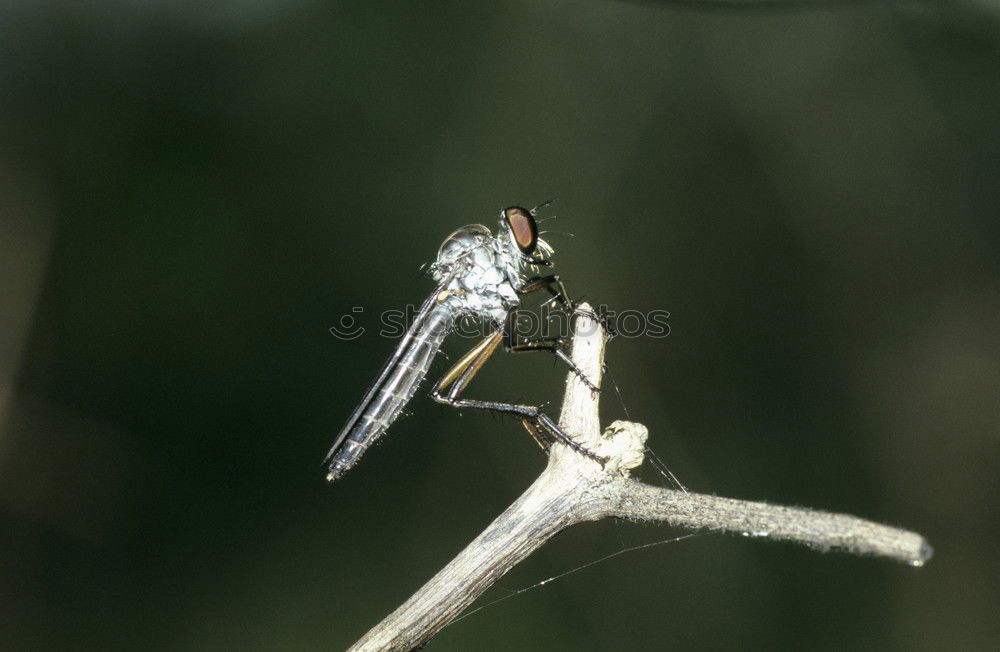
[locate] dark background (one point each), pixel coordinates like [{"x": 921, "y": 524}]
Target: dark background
[{"x": 192, "y": 193}]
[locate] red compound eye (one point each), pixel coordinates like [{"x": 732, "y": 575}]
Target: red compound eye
[{"x": 523, "y": 226}]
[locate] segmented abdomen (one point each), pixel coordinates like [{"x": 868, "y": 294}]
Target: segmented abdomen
[{"x": 397, "y": 386}]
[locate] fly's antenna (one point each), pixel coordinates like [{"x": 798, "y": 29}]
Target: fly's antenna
[{"x": 534, "y": 211}]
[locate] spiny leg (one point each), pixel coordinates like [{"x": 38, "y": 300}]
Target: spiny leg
[
  {"x": 553, "y": 284},
  {"x": 549, "y": 345},
  {"x": 538, "y": 418},
  {"x": 552, "y": 345},
  {"x": 529, "y": 425},
  {"x": 462, "y": 373}
]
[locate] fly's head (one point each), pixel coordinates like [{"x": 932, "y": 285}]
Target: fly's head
[{"x": 519, "y": 235}]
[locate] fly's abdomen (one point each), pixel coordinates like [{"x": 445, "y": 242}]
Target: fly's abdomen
[{"x": 394, "y": 389}]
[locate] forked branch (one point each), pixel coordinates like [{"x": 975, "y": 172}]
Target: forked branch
[{"x": 573, "y": 489}]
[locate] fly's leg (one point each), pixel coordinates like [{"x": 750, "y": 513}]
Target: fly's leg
[
  {"x": 549, "y": 345},
  {"x": 530, "y": 414},
  {"x": 449, "y": 388},
  {"x": 529, "y": 425},
  {"x": 553, "y": 284}
]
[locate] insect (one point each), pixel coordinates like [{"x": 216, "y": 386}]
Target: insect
[{"x": 478, "y": 274}]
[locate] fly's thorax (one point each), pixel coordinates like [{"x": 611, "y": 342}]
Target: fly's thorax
[
  {"x": 482, "y": 273},
  {"x": 481, "y": 292},
  {"x": 509, "y": 260},
  {"x": 457, "y": 249}
]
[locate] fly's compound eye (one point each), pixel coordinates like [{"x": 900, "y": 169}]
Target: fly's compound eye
[{"x": 523, "y": 227}]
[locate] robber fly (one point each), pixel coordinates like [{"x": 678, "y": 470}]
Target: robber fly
[{"x": 480, "y": 275}]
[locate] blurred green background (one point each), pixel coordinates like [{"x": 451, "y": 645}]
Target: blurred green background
[{"x": 192, "y": 193}]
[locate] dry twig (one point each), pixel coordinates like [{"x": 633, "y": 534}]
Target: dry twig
[{"x": 573, "y": 489}]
